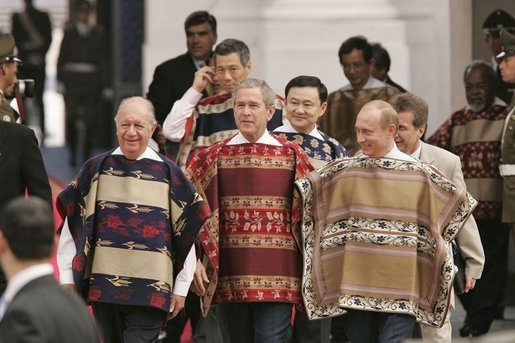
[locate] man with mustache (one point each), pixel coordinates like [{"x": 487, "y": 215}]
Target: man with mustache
[{"x": 474, "y": 134}]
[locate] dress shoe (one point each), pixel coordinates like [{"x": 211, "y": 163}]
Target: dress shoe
[{"x": 470, "y": 331}]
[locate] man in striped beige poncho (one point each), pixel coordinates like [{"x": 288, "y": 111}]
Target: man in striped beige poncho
[{"x": 376, "y": 232}]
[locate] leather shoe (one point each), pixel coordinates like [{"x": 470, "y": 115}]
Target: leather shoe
[{"x": 470, "y": 331}]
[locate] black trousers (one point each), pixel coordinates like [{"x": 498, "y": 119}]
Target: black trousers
[
  {"x": 128, "y": 324},
  {"x": 482, "y": 303}
]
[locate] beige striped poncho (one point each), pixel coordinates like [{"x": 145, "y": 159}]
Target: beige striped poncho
[{"x": 375, "y": 237}]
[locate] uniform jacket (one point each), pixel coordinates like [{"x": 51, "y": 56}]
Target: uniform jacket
[
  {"x": 508, "y": 157},
  {"x": 89, "y": 50},
  {"x": 468, "y": 238},
  {"x": 30, "y": 51}
]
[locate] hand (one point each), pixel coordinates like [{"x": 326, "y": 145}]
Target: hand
[
  {"x": 176, "y": 305},
  {"x": 200, "y": 280},
  {"x": 70, "y": 286},
  {"x": 203, "y": 77},
  {"x": 470, "y": 283}
]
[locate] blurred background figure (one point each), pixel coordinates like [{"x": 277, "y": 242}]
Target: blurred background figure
[
  {"x": 81, "y": 72},
  {"x": 33, "y": 33},
  {"x": 8, "y": 70},
  {"x": 173, "y": 77},
  {"x": 380, "y": 66},
  {"x": 492, "y": 25},
  {"x": 34, "y": 308}
]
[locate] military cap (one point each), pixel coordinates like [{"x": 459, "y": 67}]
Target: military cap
[
  {"x": 497, "y": 20},
  {"x": 8, "y": 49},
  {"x": 508, "y": 44}
]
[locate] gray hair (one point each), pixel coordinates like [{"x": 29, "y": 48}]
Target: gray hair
[
  {"x": 266, "y": 91},
  {"x": 150, "y": 108},
  {"x": 487, "y": 67}
]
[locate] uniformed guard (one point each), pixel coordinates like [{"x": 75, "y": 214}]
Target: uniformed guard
[{"x": 8, "y": 69}]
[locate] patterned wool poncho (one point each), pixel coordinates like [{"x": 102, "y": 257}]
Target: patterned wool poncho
[
  {"x": 249, "y": 246},
  {"x": 375, "y": 236},
  {"x": 133, "y": 223}
]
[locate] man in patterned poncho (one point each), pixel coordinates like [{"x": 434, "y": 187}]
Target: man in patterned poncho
[
  {"x": 130, "y": 220},
  {"x": 249, "y": 247},
  {"x": 376, "y": 232}
]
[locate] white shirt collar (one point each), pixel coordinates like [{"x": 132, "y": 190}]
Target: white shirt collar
[
  {"x": 396, "y": 153},
  {"x": 290, "y": 129},
  {"x": 148, "y": 153},
  {"x": 266, "y": 138},
  {"x": 23, "y": 277},
  {"x": 371, "y": 83},
  {"x": 417, "y": 152},
  {"x": 199, "y": 63}
]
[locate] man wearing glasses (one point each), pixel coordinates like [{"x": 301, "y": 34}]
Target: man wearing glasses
[{"x": 344, "y": 104}]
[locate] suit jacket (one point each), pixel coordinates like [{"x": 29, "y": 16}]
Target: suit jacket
[
  {"x": 21, "y": 164},
  {"x": 468, "y": 238},
  {"x": 21, "y": 168},
  {"x": 172, "y": 79},
  {"x": 42, "y": 311}
]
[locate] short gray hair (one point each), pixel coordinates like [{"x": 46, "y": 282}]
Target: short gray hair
[
  {"x": 150, "y": 108},
  {"x": 266, "y": 91}
]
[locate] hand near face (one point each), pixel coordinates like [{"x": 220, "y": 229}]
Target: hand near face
[{"x": 203, "y": 77}]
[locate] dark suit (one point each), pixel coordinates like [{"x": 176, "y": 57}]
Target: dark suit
[
  {"x": 21, "y": 168},
  {"x": 32, "y": 50},
  {"x": 42, "y": 312},
  {"x": 172, "y": 79}
]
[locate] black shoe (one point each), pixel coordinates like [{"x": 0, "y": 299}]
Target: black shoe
[
  {"x": 470, "y": 331},
  {"x": 499, "y": 313}
]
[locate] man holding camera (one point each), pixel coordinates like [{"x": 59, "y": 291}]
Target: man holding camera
[
  {"x": 21, "y": 165},
  {"x": 8, "y": 71}
]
